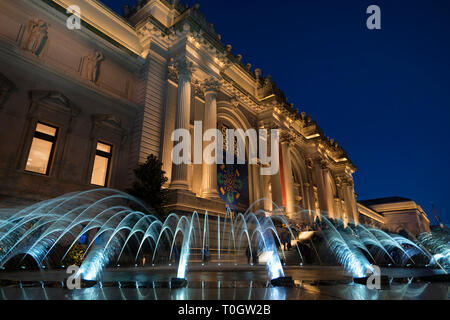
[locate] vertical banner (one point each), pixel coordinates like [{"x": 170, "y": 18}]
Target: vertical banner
[{"x": 232, "y": 183}]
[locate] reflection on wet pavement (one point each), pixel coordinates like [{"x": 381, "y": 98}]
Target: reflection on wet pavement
[{"x": 315, "y": 283}]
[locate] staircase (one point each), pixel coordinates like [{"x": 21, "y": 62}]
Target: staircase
[{"x": 226, "y": 254}]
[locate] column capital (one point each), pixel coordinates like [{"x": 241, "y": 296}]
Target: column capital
[
  {"x": 324, "y": 165},
  {"x": 211, "y": 85},
  {"x": 347, "y": 182},
  {"x": 184, "y": 67},
  {"x": 198, "y": 90},
  {"x": 287, "y": 138},
  {"x": 309, "y": 163}
]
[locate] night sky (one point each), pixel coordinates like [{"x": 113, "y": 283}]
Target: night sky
[{"x": 384, "y": 95}]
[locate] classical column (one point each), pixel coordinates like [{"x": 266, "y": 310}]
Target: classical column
[
  {"x": 329, "y": 194},
  {"x": 319, "y": 181},
  {"x": 266, "y": 185},
  {"x": 209, "y": 171},
  {"x": 308, "y": 202},
  {"x": 277, "y": 187},
  {"x": 182, "y": 121},
  {"x": 337, "y": 208},
  {"x": 257, "y": 185},
  {"x": 353, "y": 203},
  {"x": 309, "y": 187},
  {"x": 350, "y": 201},
  {"x": 287, "y": 174},
  {"x": 344, "y": 214}
]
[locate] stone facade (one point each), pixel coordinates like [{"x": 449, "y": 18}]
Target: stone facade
[
  {"x": 130, "y": 82},
  {"x": 398, "y": 214}
]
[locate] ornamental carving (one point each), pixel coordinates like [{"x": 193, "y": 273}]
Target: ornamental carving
[
  {"x": 172, "y": 72},
  {"x": 287, "y": 137},
  {"x": 37, "y": 36},
  {"x": 91, "y": 65},
  {"x": 109, "y": 122},
  {"x": 309, "y": 163},
  {"x": 211, "y": 85},
  {"x": 234, "y": 101},
  {"x": 53, "y": 100},
  {"x": 324, "y": 165},
  {"x": 184, "y": 67},
  {"x": 198, "y": 90}
]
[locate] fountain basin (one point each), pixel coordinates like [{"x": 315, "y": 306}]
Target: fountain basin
[
  {"x": 176, "y": 283},
  {"x": 384, "y": 281},
  {"x": 283, "y": 282}
]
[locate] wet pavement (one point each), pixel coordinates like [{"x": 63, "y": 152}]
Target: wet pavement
[{"x": 220, "y": 283}]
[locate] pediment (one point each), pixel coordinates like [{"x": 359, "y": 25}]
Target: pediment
[
  {"x": 55, "y": 100},
  {"x": 108, "y": 120}
]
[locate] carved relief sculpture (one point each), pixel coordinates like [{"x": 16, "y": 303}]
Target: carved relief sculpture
[
  {"x": 91, "y": 65},
  {"x": 37, "y": 35}
]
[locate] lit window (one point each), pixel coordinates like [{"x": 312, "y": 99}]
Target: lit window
[
  {"x": 101, "y": 165},
  {"x": 42, "y": 148}
]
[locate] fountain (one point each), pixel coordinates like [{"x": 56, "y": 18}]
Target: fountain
[
  {"x": 119, "y": 222},
  {"x": 122, "y": 231}
]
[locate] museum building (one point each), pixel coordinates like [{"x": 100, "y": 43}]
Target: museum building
[{"x": 81, "y": 108}]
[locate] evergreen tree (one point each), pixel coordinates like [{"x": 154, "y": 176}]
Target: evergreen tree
[{"x": 148, "y": 186}]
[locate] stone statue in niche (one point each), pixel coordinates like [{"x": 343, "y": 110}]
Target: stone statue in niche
[
  {"x": 91, "y": 65},
  {"x": 37, "y": 35}
]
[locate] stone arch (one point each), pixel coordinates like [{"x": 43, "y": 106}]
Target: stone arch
[
  {"x": 235, "y": 119},
  {"x": 299, "y": 171},
  {"x": 232, "y": 116}
]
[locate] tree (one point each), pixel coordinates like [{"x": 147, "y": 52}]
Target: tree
[
  {"x": 74, "y": 257},
  {"x": 148, "y": 186}
]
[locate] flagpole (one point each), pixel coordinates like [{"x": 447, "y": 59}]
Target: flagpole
[{"x": 436, "y": 216}]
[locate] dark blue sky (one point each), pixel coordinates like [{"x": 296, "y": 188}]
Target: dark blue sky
[{"x": 383, "y": 95}]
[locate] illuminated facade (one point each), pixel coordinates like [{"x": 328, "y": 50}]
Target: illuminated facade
[{"x": 81, "y": 108}]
